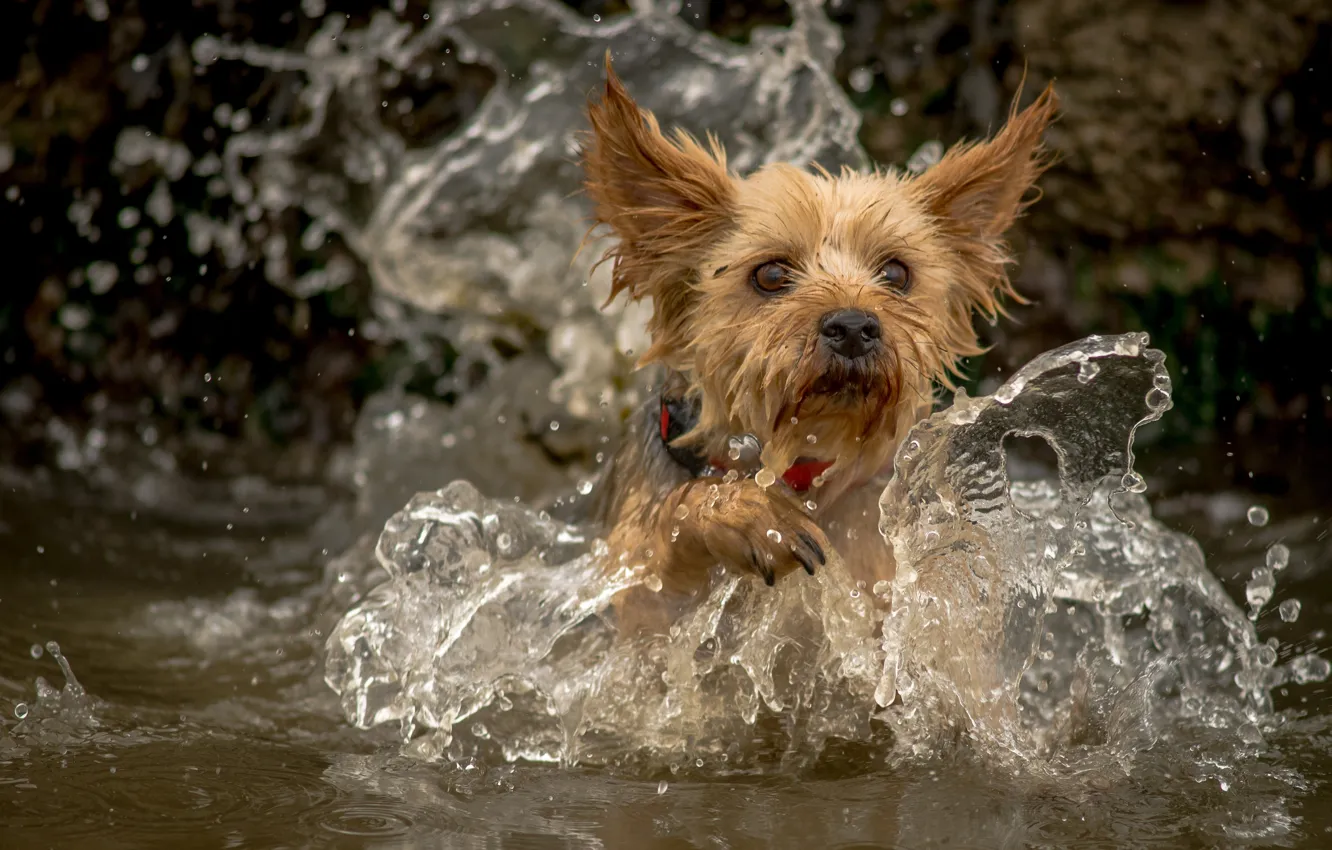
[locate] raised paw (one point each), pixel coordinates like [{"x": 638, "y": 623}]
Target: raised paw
[{"x": 749, "y": 527}]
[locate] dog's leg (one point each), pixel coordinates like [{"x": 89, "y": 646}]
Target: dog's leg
[{"x": 678, "y": 527}]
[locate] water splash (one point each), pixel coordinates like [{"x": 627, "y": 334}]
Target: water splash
[
  {"x": 481, "y": 224},
  {"x": 58, "y": 716},
  {"x": 1048, "y": 623}
]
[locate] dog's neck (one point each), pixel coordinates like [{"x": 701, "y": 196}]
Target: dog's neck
[{"x": 678, "y": 415}]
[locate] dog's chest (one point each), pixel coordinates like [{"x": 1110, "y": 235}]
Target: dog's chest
[{"x": 852, "y": 526}]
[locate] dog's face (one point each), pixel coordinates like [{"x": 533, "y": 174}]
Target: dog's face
[{"x": 813, "y": 311}]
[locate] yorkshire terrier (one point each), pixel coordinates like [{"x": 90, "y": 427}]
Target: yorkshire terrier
[{"x": 803, "y": 321}]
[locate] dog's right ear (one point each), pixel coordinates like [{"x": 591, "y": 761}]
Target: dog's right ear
[{"x": 665, "y": 198}]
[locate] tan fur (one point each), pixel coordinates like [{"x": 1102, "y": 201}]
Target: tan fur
[{"x": 690, "y": 235}]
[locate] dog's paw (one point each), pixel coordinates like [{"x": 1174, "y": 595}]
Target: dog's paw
[{"x": 754, "y": 528}]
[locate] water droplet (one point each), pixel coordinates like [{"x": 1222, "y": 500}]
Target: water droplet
[
  {"x": 681, "y": 512},
  {"x": 555, "y": 425},
  {"x": 1278, "y": 556},
  {"x": 765, "y": 478},
  {"x": 811, "y": 505},
  {"x": 774, "y": 535},
  {"x": 20, "y": 710},
  {"x": 1087, "y": 370},
  {"x": 1259, "y": 589},
  {"x": 139, "y": 63},
  {"x": 898, "y": 106},
  {"x": 1133, "y": 483},
  {"x": 744, "y": 448},
  {"x": 1250, "y": 734},
  {"x": 653, "y": 583},
  {"x": 860, "y": 79},
  {"x": 1310, "y": 668},
  {"x": 35, "y": 650},
  {"x": 811, "y": 439},
  {"x": 585, "y": 487},
  {"x": 662, "y": 786},
  {"x": 75, "y": 317},
  {"x": 1289, "y": 610},
  {"x": 504, "y": 541},
  {"x": 1258, "y": 516}
]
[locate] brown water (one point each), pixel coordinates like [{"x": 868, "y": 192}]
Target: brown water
[{"x": 200, "y": 719}]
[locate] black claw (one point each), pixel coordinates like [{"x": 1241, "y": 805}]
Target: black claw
[
  {"x": 815, "y": 548},
  {"x": 768, "y": 577}
]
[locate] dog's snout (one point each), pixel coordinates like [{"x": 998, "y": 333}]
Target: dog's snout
[{"x": 850, "y": 333}]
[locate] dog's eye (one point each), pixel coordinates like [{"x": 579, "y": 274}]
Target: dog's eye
[
  {"x": 896, "y": 275},
  {"x": 770, "y": 278}
]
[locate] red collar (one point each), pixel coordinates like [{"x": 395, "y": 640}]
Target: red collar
[
  {"x": 676, "y": 418},
  {"x": 801, "y": 476}
]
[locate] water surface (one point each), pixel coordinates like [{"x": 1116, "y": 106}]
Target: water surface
[{"x": 206, "y": 723}]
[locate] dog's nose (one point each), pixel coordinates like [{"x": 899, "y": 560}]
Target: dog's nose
[{"x": 850, "y": 333}]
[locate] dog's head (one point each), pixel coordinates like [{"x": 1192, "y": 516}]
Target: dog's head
[{"x": 813, "y": 311}]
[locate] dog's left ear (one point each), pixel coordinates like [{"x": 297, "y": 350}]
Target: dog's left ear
[
  {"x": 977, "y": 190},
  {"x": 665, "y": 198}
]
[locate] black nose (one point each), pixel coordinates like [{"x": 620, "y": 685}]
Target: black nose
[{"x": 850, "y": 333}]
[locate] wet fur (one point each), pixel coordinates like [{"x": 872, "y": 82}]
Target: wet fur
[{"x": 689, "y": 235}]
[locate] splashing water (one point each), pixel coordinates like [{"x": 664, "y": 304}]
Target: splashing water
[
  {"x": 1035, "y": 619},
  {"x": 482, "y": 223},
  {"x": 58, "y": 715},
  {"x": 435, "y": 153},
  {"x": 1055, "y": 625},
  {"x": 1052, "y": 628}
]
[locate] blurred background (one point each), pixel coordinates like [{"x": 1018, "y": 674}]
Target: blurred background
[{"x": 197, "y": 199}]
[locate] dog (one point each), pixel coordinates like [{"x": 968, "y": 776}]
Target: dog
[{"x": 802, "y": 321}]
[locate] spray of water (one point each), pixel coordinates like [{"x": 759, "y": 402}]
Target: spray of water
[{"x": 1053, "y": 626}]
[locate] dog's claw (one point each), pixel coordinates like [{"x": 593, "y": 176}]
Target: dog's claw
[
  {"x": 816, "y": 549},
  {"x": 769, "y": 577},
  {"x": 762, "y": 530}
]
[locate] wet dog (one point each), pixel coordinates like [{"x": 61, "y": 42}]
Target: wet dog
[{"x": 803, "y": 321}]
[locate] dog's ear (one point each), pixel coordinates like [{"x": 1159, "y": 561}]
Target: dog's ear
[
  {"x": 978, "y": 189},
  {"x": 665, "y": 198}
]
